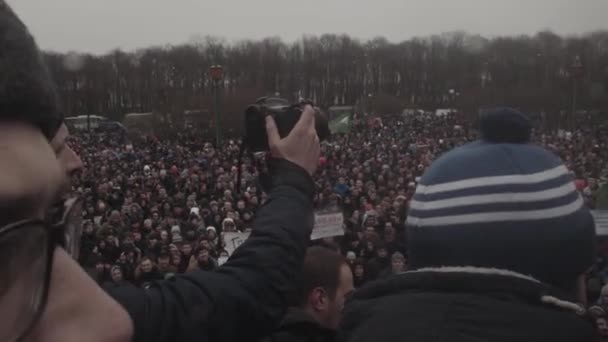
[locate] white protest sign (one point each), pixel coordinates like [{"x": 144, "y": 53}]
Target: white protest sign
[
  {"x": 327, "y": 225},
  {"x": 222, "y": 260},
  {"x": 234, "y": 239},
  {"x": 601, "y": 222}
]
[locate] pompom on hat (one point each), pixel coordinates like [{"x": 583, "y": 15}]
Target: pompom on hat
[{"x": 503, "y": 203}]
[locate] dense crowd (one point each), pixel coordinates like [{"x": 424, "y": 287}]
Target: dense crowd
[
  {"x": 157, "y": 207},
  {"x": 499, "y": 240}
]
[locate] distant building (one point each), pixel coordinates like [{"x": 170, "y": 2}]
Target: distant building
[
  {"x": 140, "y": 121},
  {"x": 197, "y": 118}
]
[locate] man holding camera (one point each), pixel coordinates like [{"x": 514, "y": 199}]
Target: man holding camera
[{"x": 46, "y": 296}]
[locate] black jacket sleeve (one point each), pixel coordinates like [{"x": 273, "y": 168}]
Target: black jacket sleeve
[{"x": 245, "y": 298}]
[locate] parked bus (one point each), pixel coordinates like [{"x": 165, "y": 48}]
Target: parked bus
[{"x": 81, "y": 122}]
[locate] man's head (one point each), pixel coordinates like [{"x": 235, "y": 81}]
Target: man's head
[
  {"x": 204, "y": 244},
  {"x": 323, "y": 285},
  {"x": 153, "y": 240},
  {"x": 34, "y": 168},
  {"x": 203, "y": 255},
  {"x": 602, "y": 326},
  {"x": 164, "y": 261},
  {"x": 116, "y": 274},
  {"x": 478, "y": 203},
  {"x": 397, "y": 262},
  {"x": 186, "y": 249},
  {"x": 228, "y": 225},
  {"x": 604, "y": 294},
  {"x": 25, "y": 192},
  {"x": 382, "y": 252},
  {"x": 370, "y": 231},
  {"x": 146, "y": 265}
]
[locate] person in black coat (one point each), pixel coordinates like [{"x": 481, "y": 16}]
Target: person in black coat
[
  {"x": 300, "y": 326},
  {"x": 146, "y": 273},
  {"x": 317, "y": 299},
  {"x": 499, "y": 242},
  {"x": 380, "y": 264},
  {"x": 117, "y": 279},
  {"x": 244, "y": 299}
]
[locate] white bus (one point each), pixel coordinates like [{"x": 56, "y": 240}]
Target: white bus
[{"x": 80, "y": 122}]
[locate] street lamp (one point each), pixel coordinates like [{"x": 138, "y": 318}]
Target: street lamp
[
  {"x": 453, "y": 95},
  {"x": 216, "y": 73},
  {"x": 577, "y": 73}
]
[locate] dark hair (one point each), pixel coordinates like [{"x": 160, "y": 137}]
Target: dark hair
[{"x": 321, "y": 269}]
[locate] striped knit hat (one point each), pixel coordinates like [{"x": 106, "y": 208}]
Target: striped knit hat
[{"x": 501, "y": 202}]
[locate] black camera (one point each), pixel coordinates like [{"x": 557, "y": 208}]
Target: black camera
[{"x": 285, "y": 115}]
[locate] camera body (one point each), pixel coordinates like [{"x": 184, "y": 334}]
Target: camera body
[{"x": 285, "y": 115}]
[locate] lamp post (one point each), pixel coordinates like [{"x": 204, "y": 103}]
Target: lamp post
[
  {"x": 452, "y": 93},
  {"x": 216, "y": 72},
  {"x": 577, "y": 73}
]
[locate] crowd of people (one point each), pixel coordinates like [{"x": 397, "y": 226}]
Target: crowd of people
[
  {"x": 158, "y": 207},
  {"x": 499, "y": 240},
  {"x": 155, "y": 208}
]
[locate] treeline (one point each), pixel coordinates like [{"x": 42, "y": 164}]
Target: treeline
[{"x": 453, "y": 69}]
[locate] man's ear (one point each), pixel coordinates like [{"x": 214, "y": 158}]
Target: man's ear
[{"x": 318, "y": 299}]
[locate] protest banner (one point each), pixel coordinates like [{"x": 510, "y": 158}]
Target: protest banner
[
  {"x": 222, "y": 260},
  {"x": 601, "y": 222},
  {"x": 327, "y": 224},
  {"x": 234, "y": 239}
]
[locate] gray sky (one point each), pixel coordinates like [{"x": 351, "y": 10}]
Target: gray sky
[{"x": 101, "y": 25}]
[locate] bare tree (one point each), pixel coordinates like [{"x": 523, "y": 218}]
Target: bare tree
[{"x": 451, "y": 69}]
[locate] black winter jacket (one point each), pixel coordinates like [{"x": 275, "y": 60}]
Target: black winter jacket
[
  {"x": 244, "y": 299},
  {"x": 462, "y": 305},
  {"x": 299, "y": 326}
]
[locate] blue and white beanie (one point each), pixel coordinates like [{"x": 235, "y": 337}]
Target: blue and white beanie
[{"x": 501, "y": 202}]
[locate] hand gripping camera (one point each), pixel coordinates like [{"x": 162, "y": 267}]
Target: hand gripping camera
[{"x": 285, "y": 115}]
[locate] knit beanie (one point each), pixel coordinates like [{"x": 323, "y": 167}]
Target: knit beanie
[
  {"x": 27, "y": 92},
  {"x": 501, "y": 202}
]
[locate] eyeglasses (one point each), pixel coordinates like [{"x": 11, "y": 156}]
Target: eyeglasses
[{"x": 28, "y": 247}]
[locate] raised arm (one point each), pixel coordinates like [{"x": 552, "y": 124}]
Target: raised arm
[{"x": 246, "y": 297}]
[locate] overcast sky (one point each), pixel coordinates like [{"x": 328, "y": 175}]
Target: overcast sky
[{"x": 101, "y": 25}]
